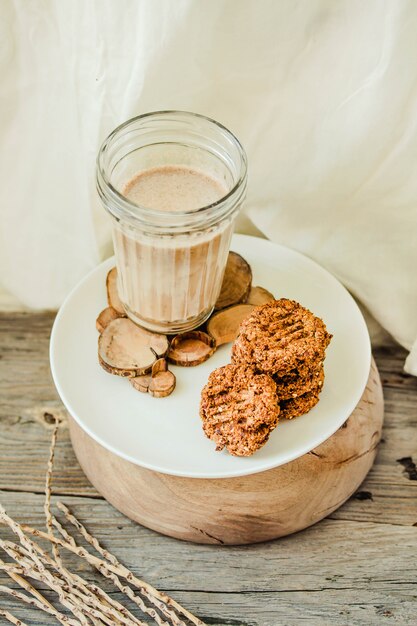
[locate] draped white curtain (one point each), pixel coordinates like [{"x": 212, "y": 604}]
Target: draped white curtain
[{"x": 322, "y": 93}]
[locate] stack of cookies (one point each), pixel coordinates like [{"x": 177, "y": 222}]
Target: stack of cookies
[
  {"x": 288, "y": 342},
  {"x": 276, "y": 370}
]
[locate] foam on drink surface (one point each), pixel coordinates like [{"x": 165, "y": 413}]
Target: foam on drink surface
[{"x": 173, "y": 188}]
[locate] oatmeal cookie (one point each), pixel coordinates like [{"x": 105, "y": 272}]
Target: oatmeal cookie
[
  {"x": 238, "y": 440},
  {"x": 293, "y": 385},
  {"x": 280, "y": 336},
  {"x": 298, "y": 406},
  {"x": 239, "y": 408}
]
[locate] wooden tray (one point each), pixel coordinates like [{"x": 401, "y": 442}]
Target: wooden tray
[{"x": 250, "y": 508}]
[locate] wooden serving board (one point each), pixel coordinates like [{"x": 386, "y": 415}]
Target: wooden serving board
[{"x": 246, "y": 509}]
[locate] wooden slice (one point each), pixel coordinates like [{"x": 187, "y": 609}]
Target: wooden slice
[
  {"x": 162, "y": 384},
  {"x": 259, "y": 295},
  {"x": 224, "y": 325},
  {"x": 192, "y": 348},
  {"x": 159, "y": 383},
  {"x": 247, "y": 509},
  {"x": 113, "y": 297},
  {"x": 141, "y": 383},
  {"x": 106, "y": 316},
  {"x": 126, "y": 349},
  {"x": 237, "y": 281}
]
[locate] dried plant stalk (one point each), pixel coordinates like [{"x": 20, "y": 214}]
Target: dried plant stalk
[
  {"x": 145, "y": 588},
  {"x": 11, "y": 618},
  {"x": 112, "y": 559},
  {"x": 23, "y": 556},
  {"x": 88, "y": 602},
  {"x": 48, "y": 481},
  {"x": 96, "y": 590},
  {"x": 33, "y": 572},
  {"x": 32, "y": 547},
  {"x": 50, "y": 518},
  {"x": 123, "y": 588},
  {"x": 73, "y": 586},
  {"x": 31, "y": 601},
  {"x": 114, "y": 579},
  {"x": 103, "y": 567},
  {"x": 63, "y": 531},
  {"x": 87, "y": 536},
  {"x": 93, "y": 588},
  {"x": 12, "y": 567},
  {"x": 130, "y": 594},
  {"x": 43, "y": 602},
  {"x": 87, "y": 593},
  {"x": 125, "y": 617},
  {"x": 25, "y": 585},
  {"x": 81, "y": 589}
]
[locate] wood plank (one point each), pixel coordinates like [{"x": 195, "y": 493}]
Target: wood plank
[
  {"x": 389, "y": 493},
  {"x": 319, "y": 607},
  {"x": 338, "y": 572},
  {"x": 28, "y": 394},
  {"x": 29, "y": 399},
  {"x": 355, "y": 568}
]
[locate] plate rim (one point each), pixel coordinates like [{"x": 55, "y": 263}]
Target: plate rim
[{"x": 198, "y": 475}]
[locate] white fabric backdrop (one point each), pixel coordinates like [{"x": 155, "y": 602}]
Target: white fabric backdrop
[{"x": 323, "y": 95}]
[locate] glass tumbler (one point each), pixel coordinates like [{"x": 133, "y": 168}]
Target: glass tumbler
[{"x": 171, "y": 263}]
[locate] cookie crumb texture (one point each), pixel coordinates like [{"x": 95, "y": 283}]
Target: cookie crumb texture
[
  {"x": 297, "y": 384},
  {"x": 239, "y": 409},
  {"x": 301, "y": 405},
  {"x": 279, "y": 337}
]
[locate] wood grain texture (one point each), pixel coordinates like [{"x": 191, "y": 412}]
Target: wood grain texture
[
  {"x": 335, "y": 572},
  {"x": 248, "y": 509},
  {"x": 28, "y": 403},
  {"x": 355, "y": 568}
]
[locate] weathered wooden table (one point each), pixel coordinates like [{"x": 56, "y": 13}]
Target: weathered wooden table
[{"x": 358, "y": 566}]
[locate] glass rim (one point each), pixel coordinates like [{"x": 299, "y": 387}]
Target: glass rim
[{"x": 131, "y": 207}]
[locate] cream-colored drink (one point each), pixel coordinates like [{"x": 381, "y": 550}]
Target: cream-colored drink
[
  {"x": 173, "y": 188},
  {"x": 165, "y": 280}
]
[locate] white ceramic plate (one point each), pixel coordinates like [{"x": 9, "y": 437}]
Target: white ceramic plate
[{"x": 165, "y": 434}]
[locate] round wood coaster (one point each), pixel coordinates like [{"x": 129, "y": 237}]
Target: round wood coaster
[{"x": 250, "y": 508}]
